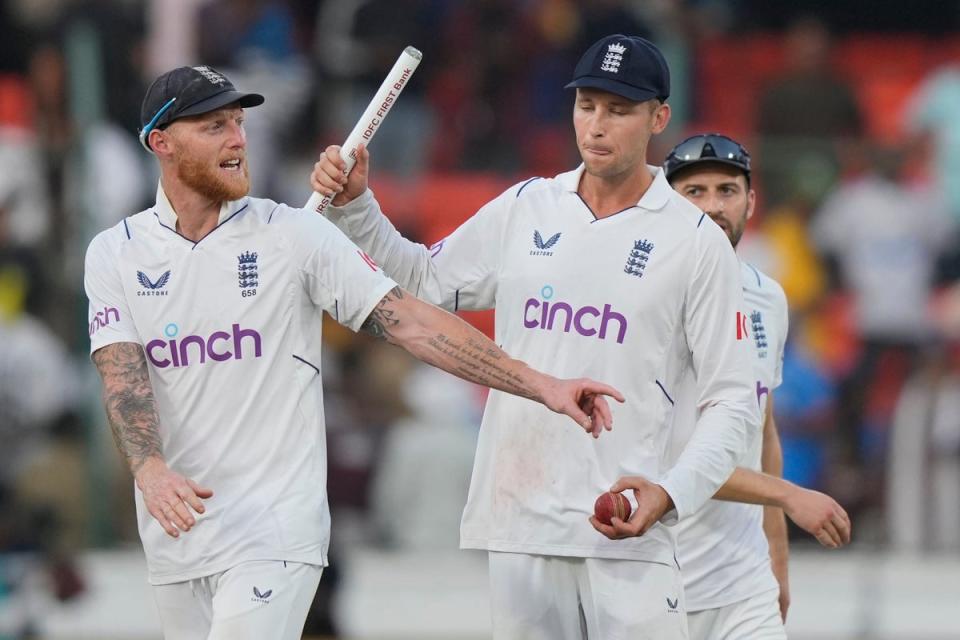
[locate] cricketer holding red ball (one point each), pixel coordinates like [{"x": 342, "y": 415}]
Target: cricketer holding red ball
[{"x": 603, "y": 269}]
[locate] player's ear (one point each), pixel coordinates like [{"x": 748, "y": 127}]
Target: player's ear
[
  {"x": 661, "y": 117},
  {"x": 160, "y": 142},
  {"x": 751, "y": 202}
]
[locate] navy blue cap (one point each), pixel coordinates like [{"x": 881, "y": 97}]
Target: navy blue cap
[
  {"x": 188, "y": 91},
  {"x": 628, "y": 66}
]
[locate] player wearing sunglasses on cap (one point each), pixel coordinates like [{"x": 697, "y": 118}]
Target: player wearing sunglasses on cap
[
  {"x": 733, "y": 556},
  {"x": 603, "y": 267}
]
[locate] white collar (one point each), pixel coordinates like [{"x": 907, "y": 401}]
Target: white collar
[
  {"x": 168, "y": 216},
  {"x": 654, "y": 198}
]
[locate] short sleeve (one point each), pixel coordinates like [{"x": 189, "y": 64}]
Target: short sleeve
[
  {"x": 337, "y": 275},
  {"x": 109, "y": 320}
]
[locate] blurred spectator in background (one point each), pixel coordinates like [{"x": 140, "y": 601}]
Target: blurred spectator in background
[
  {"x": 603, "y": 17},
  {"x": 171, "y": 37},
  {"x": 240, "y": 31},
  {"x": 24, "y": 198},
  {"x": 558, "y": 31},
  {"x": 421, "y": 481},
  {"x": 804, "y": 116},
  {"x": 805, "y": 412},
  {"x": 932, "y": 120},
  {"x": 90, "y": 154},
  {"x": 923, "y": 483},
  {"x": 781, "y": 246},
  {"x": 42, "y": 473},
  {"x": 369, "y": 400},
  {"x": 883, "y": 239},
  {"x": 254, "y": 41},
  {"x": 478, "y": 95},
  {"x": 91, "y": 169},
  {"x": 356, "y": 43},
  {"x": 119, "y": 55},
  {"x": 557, "y": 28},
  {"x": 50, "y": 118},
  {"x": 37, "y": 384}
]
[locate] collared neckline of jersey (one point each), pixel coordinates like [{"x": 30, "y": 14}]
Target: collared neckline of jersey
[
  {"x": 168, "y": 217},
  {"x": 654, "y": 198}
]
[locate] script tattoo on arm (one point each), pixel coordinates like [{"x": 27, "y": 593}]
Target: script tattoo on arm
[
  {"x": 447, "y": 342},
  {"x": 129, "y": 402},
  {"x": 382, "y": 319},
  {"x": 480, "y": 360}
]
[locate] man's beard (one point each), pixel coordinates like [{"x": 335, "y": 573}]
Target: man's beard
[
  {"x": 735, "y": 232},
  {"x": 209, "y": 182}
]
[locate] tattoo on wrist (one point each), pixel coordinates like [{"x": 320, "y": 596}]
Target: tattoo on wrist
[
  {"x": 382, "y": 319},
  {"x": 129, "y": 402}
]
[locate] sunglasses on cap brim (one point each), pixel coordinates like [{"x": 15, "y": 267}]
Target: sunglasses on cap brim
[
  {"x": 710, "y": 147},
  {"x": 150, "y": 126}
]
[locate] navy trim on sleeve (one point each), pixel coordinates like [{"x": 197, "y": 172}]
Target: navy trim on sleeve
[
  {"x": 701, "y": 220},
  {"x": 309, "y": 364},
  {"x": 127, "y": 227}
]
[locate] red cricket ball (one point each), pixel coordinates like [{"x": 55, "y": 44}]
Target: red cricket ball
[{"x": 610, "y": 505}]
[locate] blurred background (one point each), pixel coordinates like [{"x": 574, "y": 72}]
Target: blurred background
[{"x": 851, "y": 111}]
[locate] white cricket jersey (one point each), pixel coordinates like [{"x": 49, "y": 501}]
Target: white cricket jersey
[
  {"x": 723, "y": 552},
  {"x": 231, "y": 330},
  {"x": 633, "y": 300}
]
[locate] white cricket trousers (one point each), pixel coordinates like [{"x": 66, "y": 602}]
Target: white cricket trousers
[
  {"x": 251, "y": 601},
  {"x": 562, "y": 598},
  {"x": 756, "y": 618}
]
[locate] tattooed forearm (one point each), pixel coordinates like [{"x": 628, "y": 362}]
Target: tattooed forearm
[
  {"x": 383, "y": 319},
  {"x": 481, "y": 363},
  {"x": 447, "y": 342},
  {"x": 129, "y": 402}
]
